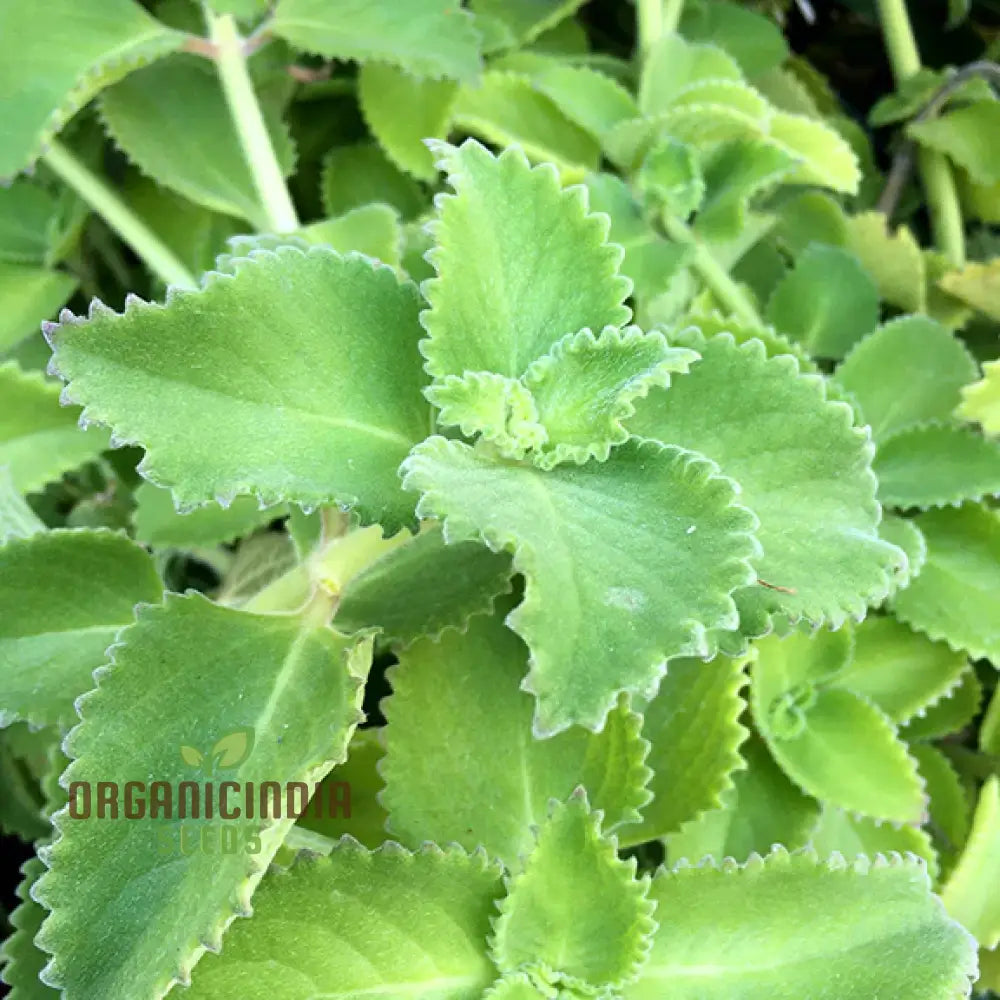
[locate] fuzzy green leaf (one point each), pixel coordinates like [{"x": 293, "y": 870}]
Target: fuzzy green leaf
[
  {"x": 950, "y": 713},
  {"x": 22, "y": 960},
  {"x": 950, "y": 806},
  {"x": 964, "y": 135},
  {"x": 907, "y": 536},
  {"x": 590, "y": 99},
  {"x": 373, "y": 230},
  {"x": 27, "y": 217},
  {"x": 970, "y": 892},
  {"x": 753, "y": 39},
  {"x": 17, "y": 519},
  {"x": 694, "y": 732},
  {"x": 459, "y": 700},
  {"x": 907, "y": 372},
  {"x": 818, "y": 533},
  {"x": 525, "y": 20},
  {"x": 500, "y": 299},
  {"x": 825, "y": 158},
  {"x": 673, "y": 64},
  {"x": 893, "y": 259},
  {"x": 981, "y": 400},
  {"x": 624, "y": 605},
  {"x": 387, "y": 924},
  {"x": 574, "y": 910},
  {"x": 956, "y": 597},
  {"x": 425, "y": 37},
  {"x": 827, "y": 302},
  {"x": 29, "y": 295},
  {"x": 101, "y": 873},
  {"x": 793, "y": 926},
  {"x": 39, "y": 439},
  {"x": 423, "y": 588},
  {"x": 989, "y": 732},
  {"x": 930, "y": 465},
  {"x": 173, "y": 121},
  {"x": 64, "y": 595},
  {"x": 96, "y": 45},
  {"x": 305, "y": 386},
  {"x": 977, "y": 285},
  {"x": 358, "y": 175}
]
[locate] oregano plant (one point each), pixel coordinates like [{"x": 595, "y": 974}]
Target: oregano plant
[{"x": 499, "y": 500}]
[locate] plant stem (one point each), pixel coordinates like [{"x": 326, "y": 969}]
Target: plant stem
[
  {"x": 650, "y": 24},
  {"x": 716, "y": 278},
  {"x": 268, "y": 178},
  {"x": 672, "y": 11},
  {"x": 103, "y": 200},
  {"x": 935, "y": 172}
]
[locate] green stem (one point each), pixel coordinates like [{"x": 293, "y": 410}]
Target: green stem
[
  {"x": 106, "y": 203},
  {"x": 650, "y": 24},
  {"x": 258, "y": 151},
  {"x": 727, "y": 293},
  {"x": 935, "y": 171},
  {"x": 672, "y": 11}
]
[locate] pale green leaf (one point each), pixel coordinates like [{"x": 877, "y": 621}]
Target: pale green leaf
[
  {"x": 825, "y": 158},
  {"x": 354, "y": 176},
  {"x": 305, "y": 386},
  {"x": 818, "y": 533},
  {"x": 21, "y": 959},
  {"x": 981, "y": 400},
  {"x": 425, "y": 37},
  {"x": 964, "y": 134},
  {"x": 583, "y": 536},
  {"x": 673, "y": 64},
  {"x": 930, "y": 465},
  {"x": 458, "y": 700},
  {"x": 977, "y": 285},
  {"x": 100, "y": 872},
  {"x": 900, "y": 670},
  {"x": 517, "y": 986},
  {"x": 855, "y": 837},
  {"x": 575, "y": 909},
  {"x": 970, "y": 892},
  {"x": 753, "y": 39},
  {"x": 956, "y": 597},
  {"x": 173, "y": 121},
  {"x": 424, "y": 587},
  {"x": 670, "y": 180},
  {"x": 68, "y": 55},
  {"x": 158, "y": 523},
  {"x": 950, "y": 806},
  {"x": 506, "y": 109},
  {"x": 27, "y": 220},
  {"x": 950, "y": 713},
  {"x": 511, "y": 281},
  {"x": 786, "y": 91},
  {"x": 64, "y": 595},
  {"x": 907, "y": 536},
  {"x": 908, "y": 371},
  {"x": 762, "y": 808},
  {"x": 29, "y": 295},
  {"x": 362, "y": 925},
  {"x": 834, "y": 744},
  {"x": 809, "y": 217},
  {"x": 525, "y": 20},
  {"x": 827, "y": 302},
  {"x": 989, "y": 732},
  {"x": 17, "y": 519},
  {"x": 594, "y": 101},
  {"x": 373, "y": 230},
  {"x": 39, "y": 439},
  {"x": 694, "y": 733},
  {"x": 791, "y": 926},
  {"x": 893, "y": 259},
  {"x": 401, "y": 111}
]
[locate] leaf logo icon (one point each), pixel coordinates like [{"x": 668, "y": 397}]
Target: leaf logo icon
[
  {"x": 230, "y": 751},
  {"x": 192, "y": 756}
]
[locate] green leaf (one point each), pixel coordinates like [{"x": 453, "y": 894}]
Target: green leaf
[
  {"x": 872, "y": 928},
  {"x": 969, "y": 894},
  {"x": 673, "y": 64},
  {"x": 826, "y": 158},
  {"x": 100, "y": 872},
  {"x": 809, "y": 217},
  {"x": 158, "y": 523},
  {"x": 670, "y": 180},
  {"x": 423, "y": 588},
  {"x": 976, "y": 285},
  {"x": 96, "y": 46},
  {"x": 401, "y": 111},
  {"x": 930, "y": 465},
  {"x": 964, "y": 135},
  {"x": 694, "y": 733},
  {"x": 29, "y": 295},
  {"x": 907, "y": 536},
  {"x": 950, "y": 808},
  {"x": 27, "y": 220},
  {"x": 827, "y": 302},
  {"x": 989, "y": 732},
  {"x": 594, "y": 101},
  {"x": 21, "y": 806},
  {"x": 388, "y": 924},
  {"x": 624, "y": 605},
  {"x": 305, "y": 386},
  {"x": 499, "y": 300},
  {"x": 892, "y": 259},
  {"x": 525, "y": 20},
  {"x": 956, "y": 597},
  {"x": 900, "y": 670},
  {"x": 908, "y": 371},
  {"x": 354, "y": 176},
  {"x": 505, "y": 109},
  {"x": 22, "y": 960},
  {"x": 17, "y": 519},
  {"x": 39, "y": 439},
  {"x": 752, "y": 39},
  {"x": 761, "y": 809},
  {"x": 833, "y": 743},
  {"x": 574, "y": 910},
  {"x": 950, "y": 713},
  {"x": 372, "y": 230},
  {"x": 173, "y": 122},
  {"x": 64, "y": 596},
  {"x": 981, "y": 400},
  {"x": 517, "y": 986},
  {"x": 465, "y": 690},
  {"x": 857, "y": 837},
  {"x": 425, "y": 37},
  {"x": 818, "y": 533}
]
